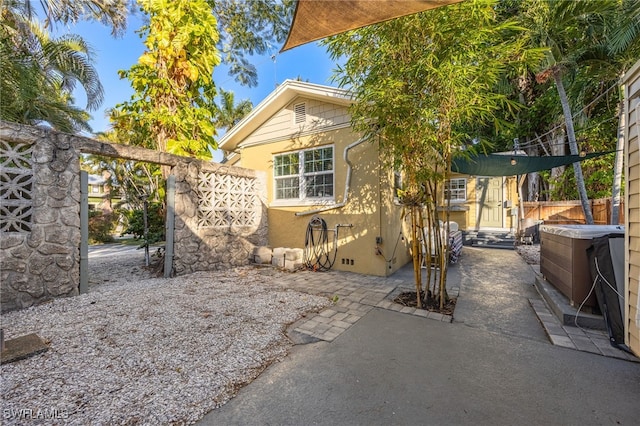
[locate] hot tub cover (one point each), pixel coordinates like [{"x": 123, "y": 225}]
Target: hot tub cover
[
  {"x": 582, "y": 232},
  {"x": 606, "y": 264}
]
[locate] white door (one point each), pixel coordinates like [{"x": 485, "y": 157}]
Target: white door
[{"x": 489, "y": 200}]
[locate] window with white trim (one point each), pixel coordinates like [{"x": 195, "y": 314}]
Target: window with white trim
[
  {"x": 456, "y": 189},
  {"x": 304, "y": 175}
]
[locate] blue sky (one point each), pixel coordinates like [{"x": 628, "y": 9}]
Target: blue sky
[{"x": 309, "y": 62}]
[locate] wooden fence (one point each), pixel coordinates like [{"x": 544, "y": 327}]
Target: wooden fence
[{"x": 570, "y": 212}]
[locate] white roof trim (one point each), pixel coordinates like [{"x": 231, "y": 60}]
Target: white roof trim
[{"x": 278, "y": 99}]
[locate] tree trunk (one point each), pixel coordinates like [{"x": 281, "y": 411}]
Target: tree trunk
[
  {"x": 573, "y": 147},
  {"x": 417, "y": 251},
  {"x": 617, "y": 171},
  {"x": 557, "y": 148}
]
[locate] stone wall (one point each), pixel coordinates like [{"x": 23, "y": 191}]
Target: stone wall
[
  {"x": 39, "y": 217},
  {"x": 220, "y": 212},
  {"x": 221, "y": 216}
]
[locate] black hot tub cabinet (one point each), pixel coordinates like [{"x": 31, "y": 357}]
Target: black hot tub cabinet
[{"x": 564, "y": 262}]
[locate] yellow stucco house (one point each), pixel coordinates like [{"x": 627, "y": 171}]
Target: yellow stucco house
[{"x": 316, "y": 166}]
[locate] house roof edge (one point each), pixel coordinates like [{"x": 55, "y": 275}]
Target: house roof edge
[{"x": 276, "y": 100}]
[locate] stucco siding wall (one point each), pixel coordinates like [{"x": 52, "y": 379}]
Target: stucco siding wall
[
  {"x": 632, "y": 172},
  {"x": 362, "y": 211},
  {"x": 463, "y": 213},
  {"x": 511, "y": 194},
  {"x": 395, "y": 230}
]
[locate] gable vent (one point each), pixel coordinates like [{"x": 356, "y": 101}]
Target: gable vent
[{"x": 299, "y": 113}]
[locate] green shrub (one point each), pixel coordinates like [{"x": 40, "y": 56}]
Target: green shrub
[
  {"x": 101, "y": 225},
  {"x": 155, "y": 221}
]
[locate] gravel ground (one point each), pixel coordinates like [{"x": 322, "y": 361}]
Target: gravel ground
[
  {"x": 140, "y": 350},
  {"x": 143, "y": 350},
  {"x": 530, "y": 253}
]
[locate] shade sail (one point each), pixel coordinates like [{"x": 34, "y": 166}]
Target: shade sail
[
  {"x": 317, "y": 19},
  {"x": 501, "y": 165}
]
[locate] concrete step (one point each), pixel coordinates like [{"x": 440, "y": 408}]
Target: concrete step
[
  {"x": 501, "y": 240},
  {"x": 566, "y": 313}
]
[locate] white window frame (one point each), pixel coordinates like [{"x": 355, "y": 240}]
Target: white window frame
[
  {"x": 458, "y": 190},
  {"x": 302, "y": 176}
]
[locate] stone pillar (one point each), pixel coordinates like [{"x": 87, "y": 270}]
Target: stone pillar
[{"x": 42, "y": 262}]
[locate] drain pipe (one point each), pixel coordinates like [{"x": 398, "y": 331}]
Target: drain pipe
[{"x": 346, "y": 185}]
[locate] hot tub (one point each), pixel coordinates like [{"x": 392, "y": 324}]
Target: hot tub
[{"x": 563, "y": 258}]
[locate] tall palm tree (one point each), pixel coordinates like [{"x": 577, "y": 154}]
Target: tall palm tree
[
  {"x": 38, "y": 73},
  {"x": 568, "y": 30},
  {"x": 229, "y": 113},
  {"x": 112, "y": 13},
  {"x": 625, "y": 30}
]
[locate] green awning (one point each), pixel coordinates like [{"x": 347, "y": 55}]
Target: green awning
[{"x": 505, "y": 165}]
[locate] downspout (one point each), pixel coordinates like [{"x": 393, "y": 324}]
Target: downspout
[{"x": 347, "y": 183}]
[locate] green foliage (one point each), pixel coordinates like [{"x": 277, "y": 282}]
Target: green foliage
[
  {"x": 174, "y": 92},
  {"x": 112, "y": 13},
  {"x": 598, "y": 180},
  {"x": 229, "y": 113},
  {"x": 589, "y": 44},
  {"x": 251, "y": 27},
  {"x": 426, "y": 97},
  {"x": 38, "y": 73},
  {"x": 155, "y": 221},
  {"x": 424, "y": 84},
  {"x": 101, "y": 226},
  {"x": 130, "y": 179}
]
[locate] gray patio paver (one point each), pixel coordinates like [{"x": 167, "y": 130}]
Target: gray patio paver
[
  {"x": 358, "y": 294},
  {"x": 582, "y": 339},
  {"x": 563, "y": 341}
]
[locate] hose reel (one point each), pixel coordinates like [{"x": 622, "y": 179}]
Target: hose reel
[{"x": 319, "y": 252}]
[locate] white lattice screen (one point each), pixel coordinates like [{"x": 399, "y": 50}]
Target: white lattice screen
[
  {"x": 16, "y": 184},
  {"x": 225, "y": 200}
]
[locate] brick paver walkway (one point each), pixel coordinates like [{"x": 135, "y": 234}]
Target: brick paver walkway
[{"x": 354, "y": 295}]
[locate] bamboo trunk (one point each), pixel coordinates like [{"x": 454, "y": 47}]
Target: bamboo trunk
[{"x": 416, "y": 256}]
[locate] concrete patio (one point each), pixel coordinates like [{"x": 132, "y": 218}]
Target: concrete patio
[{"x": 498, "y": 360}]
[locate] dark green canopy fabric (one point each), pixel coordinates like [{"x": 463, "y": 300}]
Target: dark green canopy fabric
[{"x": 501, "y": 165}]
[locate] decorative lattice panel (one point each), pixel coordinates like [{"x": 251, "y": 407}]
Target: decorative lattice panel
[
  {"x": 225, "y": 200},
  {"x": 16, "y": 186}
]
